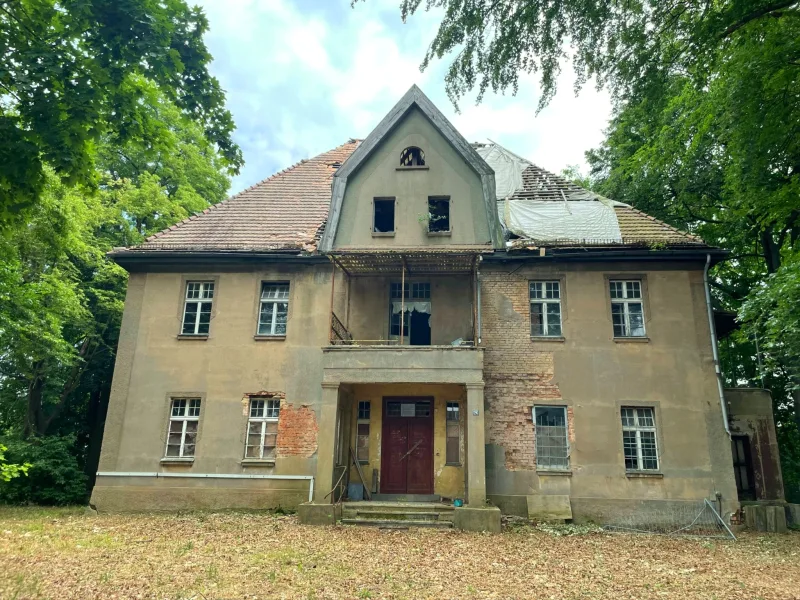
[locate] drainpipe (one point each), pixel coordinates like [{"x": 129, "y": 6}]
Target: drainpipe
[
  {"x": 309, "y": 478},
  {"x": 478, "y": 280},
  {"x": 714, "y": 349}
]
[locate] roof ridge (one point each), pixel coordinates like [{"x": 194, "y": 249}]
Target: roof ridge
[
  {"x": 664, "y": 223},
  {"x": 209, "y": 208}
]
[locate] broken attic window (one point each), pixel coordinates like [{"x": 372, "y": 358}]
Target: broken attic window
[
  {"x": 384, "y": 215},
  {"x": 412, "y": 157},
  {"x": 438, "y": 214}
]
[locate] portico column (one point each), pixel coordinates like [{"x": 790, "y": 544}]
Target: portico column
[
  {"x": 326, "y": 441},
  {"x": 476, "y": 446}
]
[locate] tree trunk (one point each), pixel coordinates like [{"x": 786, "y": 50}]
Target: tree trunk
[
  {"x": 96, "y": 420},
  {"x": 33, "y": 416}
]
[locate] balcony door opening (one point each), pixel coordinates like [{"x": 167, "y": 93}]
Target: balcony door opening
[{"x": 415, "y": 305}]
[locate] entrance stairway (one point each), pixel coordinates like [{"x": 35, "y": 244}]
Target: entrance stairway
[{"x": 398, "y": 515}]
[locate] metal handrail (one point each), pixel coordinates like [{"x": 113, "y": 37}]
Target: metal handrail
[{"x": 339, "y": 333}]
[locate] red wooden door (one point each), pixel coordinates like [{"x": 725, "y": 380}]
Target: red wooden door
[{"x": 407, "y": 449}]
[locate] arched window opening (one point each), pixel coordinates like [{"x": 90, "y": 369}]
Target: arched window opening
[{"x": 412, "y": 157}]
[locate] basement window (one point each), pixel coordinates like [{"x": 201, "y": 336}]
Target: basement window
[
  {"x": 412, "y": 157},
  {"x": 438, "y": 214},
  {"x": 383, "y": 221}
]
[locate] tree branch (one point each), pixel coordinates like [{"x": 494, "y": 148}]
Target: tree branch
[{"x": 757, "y": 14}]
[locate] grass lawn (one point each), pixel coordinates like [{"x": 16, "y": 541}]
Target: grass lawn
[{"x": 64, "y": 553}]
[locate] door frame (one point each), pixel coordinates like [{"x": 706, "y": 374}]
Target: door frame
[{"x": 384, "y": 421}]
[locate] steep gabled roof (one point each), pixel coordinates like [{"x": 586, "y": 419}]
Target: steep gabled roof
[
  {"x": 283, "y": 212},
  {"x": 412, "y": 98}
]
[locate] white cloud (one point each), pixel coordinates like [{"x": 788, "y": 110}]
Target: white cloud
[{"x": 302, "y": 78}]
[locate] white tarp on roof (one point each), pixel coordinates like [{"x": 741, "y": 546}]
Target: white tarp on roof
[
  {"x": 507, "y": 167},
  {"x": 579, "y": 221}
]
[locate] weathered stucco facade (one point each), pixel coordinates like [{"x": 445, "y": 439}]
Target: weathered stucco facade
[{"x": 313, "y": 343}]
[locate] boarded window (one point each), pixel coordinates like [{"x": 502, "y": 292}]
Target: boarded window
[
  {"x": 383, "y": 219},
  {"x": 453, "y": 433},
  {"x": 362, "y": 435},
  {"x": 552, "y": 446},
  {"x": 438, "y": 214}
]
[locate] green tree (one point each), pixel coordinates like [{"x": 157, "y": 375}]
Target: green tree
[
  {"x": 71, "y": 75},
  {"x": 9, "y": 471}
]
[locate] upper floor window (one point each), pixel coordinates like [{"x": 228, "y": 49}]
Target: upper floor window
[
  {"x": 412, "y": 157},
  {"x": 197, "y": 307},
  {"x": 627, "y": 308},
  {"x": 262, "y": 428},
  {"x": 545, "y": 308},
  {"x": 182, "y": 433},
  {"x": 438, "y": 214},
  {"x": 383, "y": 215},
  {"x": 274, "y": 309}
]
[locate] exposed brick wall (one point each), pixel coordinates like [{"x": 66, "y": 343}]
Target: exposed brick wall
[
  {"x": 516, "y": 376},
  {"x": 297, "y": 431}
]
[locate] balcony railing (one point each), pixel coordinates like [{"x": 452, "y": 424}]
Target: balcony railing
[{"x": 339, "y": 334}]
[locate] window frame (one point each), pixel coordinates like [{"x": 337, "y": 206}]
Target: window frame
[
  {"x": 423, "y": 165},
  {"x": 567, "y": 445},
  {"x": 274, "y": 301},
  {"x": 413, "y": 292},
  {"x": 184, "y": 418},
  {"x": 638, "y": 429},
  {"x": 459, "y": 428},
  {"x": 185, "y": 301},
  {"x": 375, "y": 201},
  {"x": 544, "y": 302},
  {"x": 263, "y": 421},
  {"x": 625, "y": 302},
  {"x": 448, "y": 201},
  {"x": 363, "y": 420}
]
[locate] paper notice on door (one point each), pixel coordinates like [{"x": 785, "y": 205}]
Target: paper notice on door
[{"x": 407, "y": 410}]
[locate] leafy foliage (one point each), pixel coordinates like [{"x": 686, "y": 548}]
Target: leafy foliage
[
  {"x": 54, "y": 476},
  {"x": 9, "y": 471},
  {"x": 72, "y": 74}
]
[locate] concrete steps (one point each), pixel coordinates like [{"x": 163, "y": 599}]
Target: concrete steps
[{"x": 398, "y": 514}]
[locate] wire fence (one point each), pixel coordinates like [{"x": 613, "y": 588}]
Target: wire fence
[{"x": 699, "y": 519}]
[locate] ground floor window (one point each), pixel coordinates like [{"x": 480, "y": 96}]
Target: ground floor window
[
  {"x": 182, "y": 434},
  {"x": 362, "y": 433},
  {"x": 453, "y": 425},
  {"x": 552, "y": 445},
  {"x": 262, "y": 428},
  {"x": 639, "y": 439}
]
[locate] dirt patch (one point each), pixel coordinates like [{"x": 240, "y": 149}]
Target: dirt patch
[{"x": 67, "y": 554}]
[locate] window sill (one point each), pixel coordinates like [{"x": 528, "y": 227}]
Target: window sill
[
  {"x": 258, "y": 462},
  {"x": 555, "y": 472},
  {"x": 447, "y": 464},
  {"x": 644, "y": 475},
  {"x": 440, "y": 233},
  {"x": 415, "y": 168},
  {"x": 177, "y": 460},
  {"x": 548, "y": 338},
  {"x": 268, "y": 338},
  {"x": 635, "y": 340},
  {"x": 363, "y": 462},
  {"x": 383, "y": 234},
  {"x": 192, "y": 336}
]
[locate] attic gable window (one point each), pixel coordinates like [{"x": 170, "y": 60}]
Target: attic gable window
[{"x": 412, "y": 157}]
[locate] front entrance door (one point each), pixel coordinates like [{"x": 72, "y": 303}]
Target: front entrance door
[{"x": 407, "y": 448}]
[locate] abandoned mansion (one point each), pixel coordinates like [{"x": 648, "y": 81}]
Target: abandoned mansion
[{"x": 414, "y": 317}]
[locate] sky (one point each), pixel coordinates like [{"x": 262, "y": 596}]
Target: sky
[{"x": 304, "y": 76}]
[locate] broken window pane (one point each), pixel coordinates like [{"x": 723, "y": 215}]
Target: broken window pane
[
  {"x": 412, "y": 157},
  {"x": 383, "y": 221},
  {"x": 438, "y": 214},
  {"x": 552, "y": 451}
]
